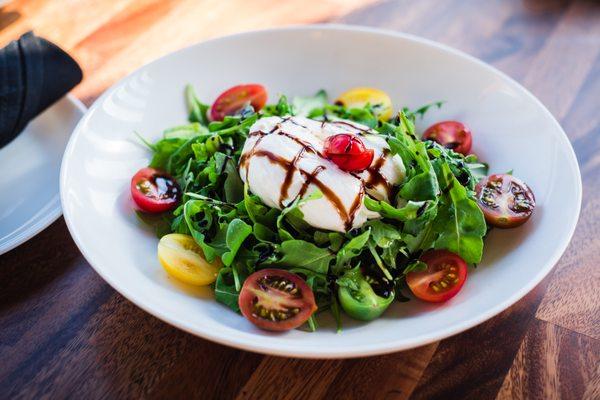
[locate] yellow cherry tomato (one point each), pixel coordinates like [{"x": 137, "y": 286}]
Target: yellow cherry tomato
[
  {"x": 184, "y": 260},
  {"x": 361, "y": 96}
]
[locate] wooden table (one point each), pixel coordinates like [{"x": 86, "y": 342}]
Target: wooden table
[{"x": 65, "y": 333}]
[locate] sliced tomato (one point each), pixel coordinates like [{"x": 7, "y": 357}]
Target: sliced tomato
[
  {"x": 184, "y": 260},
  {"x": 276, "y": 300},
  {"x": 154, "y": 191},
  {"x": 348, "y": 152},
  {"x": 445, "y": 275},
  {"x": 506, "y": 201},
  {"x": 236, "y": 98},
  {"x": 452, "y": 135}
]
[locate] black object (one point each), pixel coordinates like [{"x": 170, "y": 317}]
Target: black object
[{"x": 34, "y": 73}]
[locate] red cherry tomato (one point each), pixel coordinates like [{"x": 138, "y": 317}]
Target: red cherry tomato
[
  {"x": 452, "y": 135},
  {"x": 154, "y": 191},
  {"x": 236, "y": 98},
  {"x": 445, "y": 275},
  {"x": 276, "y": 300},
  {"x": 348, "y": 152},
  {"x": 506, "y": 201}
]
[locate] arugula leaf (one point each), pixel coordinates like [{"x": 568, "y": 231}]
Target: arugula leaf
[
  {"x": 264, "y": 233},
  {"x": 379, "y": 261},
  {"x": 422, "y": 240},
  {"x": 237, "y": 232},
  {"x": 243, "y": 265},
  {"x": 334, "y": 239},
  {"x": 281, "y": 109},
  {"x": 423, "y": 186},
  {"x": 197, "y": 109},
  {"x": 233, "y": 185},
  {"x": 303, "y": 106},
  {"x": 460, "y": 222},
  {"x": 350, "y": 250},
  {"x": 163, "y": 150},
  {"x": 179, "y": 157},
  {"x": 225, "y": 291},
  {"x": 365, "y": 115},
  {"x": 411, "y": 210},
  {"x": 214, "y": 226},
  {"x": 467, "y": 169},
  {"x": 382, "y": 234},
  {"x": 185, "y": 131},
  {"x": 191, "y": 209},
  {"x": 421, "y": 182},
  {"x": 421, "y": 111},
  {"x": 303, "y": 255},
  {"x": 258, "y": 212},
  {"x": 294, "y": 217}
]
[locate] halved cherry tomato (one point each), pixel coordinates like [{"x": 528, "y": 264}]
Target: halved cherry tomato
[
  {"x": 445, "y": 275},
  {"x": 154, "y": 191},
  {"x": 183, "y": 259},
  {"x": 452, "y": 135},
  {"x": 361, "y": 96},
  {"x": 236, "y": 98},
  {"x": 276, "y": 300},
  {"x": 506, "y": 201},
  {"x": 348, "y": 152}
]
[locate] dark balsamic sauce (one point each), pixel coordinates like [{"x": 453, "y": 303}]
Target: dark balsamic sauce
[
  {"x": 328, "y": 194},
  {"x": 376, "y": 178},
  {"x": 246, "y": 157},
  {"x": 289, "y": 175},
  {"x": 305, "y": 146},
  {"x": 360, "y": 130},
  {"x": 354, "y": 208}
]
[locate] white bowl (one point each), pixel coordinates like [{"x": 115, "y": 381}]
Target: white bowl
[{"x": 512, "y": 130}]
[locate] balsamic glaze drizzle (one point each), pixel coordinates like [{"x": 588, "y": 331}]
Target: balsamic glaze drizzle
[{"x": 374, "y": 179}]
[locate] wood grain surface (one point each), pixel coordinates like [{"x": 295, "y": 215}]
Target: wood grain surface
[{"x": 64, "y": 333}]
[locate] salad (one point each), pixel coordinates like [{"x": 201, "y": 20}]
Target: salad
[{"x": 306, "y": 205}]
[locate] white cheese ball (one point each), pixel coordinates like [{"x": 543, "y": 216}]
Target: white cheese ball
[{"x": 284, "y": 158}]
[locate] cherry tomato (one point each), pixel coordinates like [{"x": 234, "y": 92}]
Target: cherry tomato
[
  {"x": 236, "y": 98},
  {"x": 276, "y": 300},
  {"x": 154, "y": 191},
  {"x": 361, "y": 96},
  {"x": 450, "y": 134},
  {"x": 506, "y": 201},
  {"x": 348, "y": 152},
  {"x": 445, "y": 275},
  {"x": 184, "y": 260}
]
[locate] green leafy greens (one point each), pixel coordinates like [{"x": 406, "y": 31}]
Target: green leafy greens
[{"x": 433, "y": 206}]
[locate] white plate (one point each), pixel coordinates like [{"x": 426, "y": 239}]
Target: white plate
[
  {"x": 512, "y": 130},
  {"x": 30, "y": 167}
]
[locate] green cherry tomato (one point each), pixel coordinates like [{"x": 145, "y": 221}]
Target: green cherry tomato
[{"x": 358, "y": 298}]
